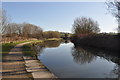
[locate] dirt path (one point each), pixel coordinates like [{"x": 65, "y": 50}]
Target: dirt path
[{"x": 13, "y": 65}]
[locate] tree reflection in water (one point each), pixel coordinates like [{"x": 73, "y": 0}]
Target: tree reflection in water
[
  {"x": 82, "y": 56},
  {"x": 85, "y": 55},
  {"x": 39, "y": 47},
  {"x": 51, "y": 44}
]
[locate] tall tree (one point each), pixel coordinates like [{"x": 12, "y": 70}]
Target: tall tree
[
  {"x": 114, "y": 8},
  {"x": 83, "y": 25}
]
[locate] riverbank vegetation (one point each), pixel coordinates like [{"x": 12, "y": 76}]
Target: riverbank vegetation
[
  {"x": 86, "y": 32},
  {"x": 6, "y": 47},
  {"x": 28, "y": 51}
]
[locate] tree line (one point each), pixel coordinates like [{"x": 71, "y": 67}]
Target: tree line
[
  {"x": 24, "y": 30},
  {"x": 28, "y": 30}
]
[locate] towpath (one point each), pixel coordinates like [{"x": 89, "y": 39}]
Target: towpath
[{"x": 15, "y": 65}]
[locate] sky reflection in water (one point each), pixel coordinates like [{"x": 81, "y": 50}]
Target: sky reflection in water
[{"x": 66, "y": 61}]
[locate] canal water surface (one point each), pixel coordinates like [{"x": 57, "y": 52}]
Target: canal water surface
[{"x": 67, "y": 61}]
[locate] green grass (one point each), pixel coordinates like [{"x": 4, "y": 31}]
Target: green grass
[
  {"x": 22, "y": 42},
  {"x": 6, "y": 47},
  {"x": 36, "y": 41},
  {"x": 28, "y": 51}
]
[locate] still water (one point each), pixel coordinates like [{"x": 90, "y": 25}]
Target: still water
[{"x": 67, "y": 61}]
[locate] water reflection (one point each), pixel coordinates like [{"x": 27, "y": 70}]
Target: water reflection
[
  {"x": 85, "y": 55},
  {"x": 115, "y": 71},
  {"x": 82, "y": 56},
  {"x": 51, "y": 44},
  {"x": 93, "y": 52},
  {"x": 60, "y": 61},
  {"x": 39, "y": 47}
]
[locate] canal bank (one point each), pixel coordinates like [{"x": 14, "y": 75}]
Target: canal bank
[
  {"x": 22, "y": 65},
  {"x": 66, "y": 61},
  {"x": 105, "y": 42}
]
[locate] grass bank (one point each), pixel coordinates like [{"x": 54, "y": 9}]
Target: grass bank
[
  {"x": 6, "y": 47},
  {"x": 106, "y": 42},
  {"x": 29, "y": 57},
  {"x": 28, "y": 51}
]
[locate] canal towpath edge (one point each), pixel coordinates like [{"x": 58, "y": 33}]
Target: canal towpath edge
[{"x": 16, "y": 65}]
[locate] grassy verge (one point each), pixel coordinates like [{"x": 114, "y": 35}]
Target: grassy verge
[
  {"x": 6, "y": 47},
  {"x": 28, "y": 51}
]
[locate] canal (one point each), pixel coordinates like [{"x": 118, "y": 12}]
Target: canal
[{"x": 67, "y": 61}]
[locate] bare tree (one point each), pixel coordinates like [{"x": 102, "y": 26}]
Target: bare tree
[
  {"x": 30, "y": 30},
  {"x": 11, "y": 30},
  {"x": 0, "y": 22},
  {"x": 19, "y": 29},
  {"x": 4, "y": 21},
  {"x": 37, "y": 32},
  {"x": 114, "y": 8},
  {"x": 83, "y": 25}
]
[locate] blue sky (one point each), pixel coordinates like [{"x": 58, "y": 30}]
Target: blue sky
[{"x": 60, "y": 15}]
